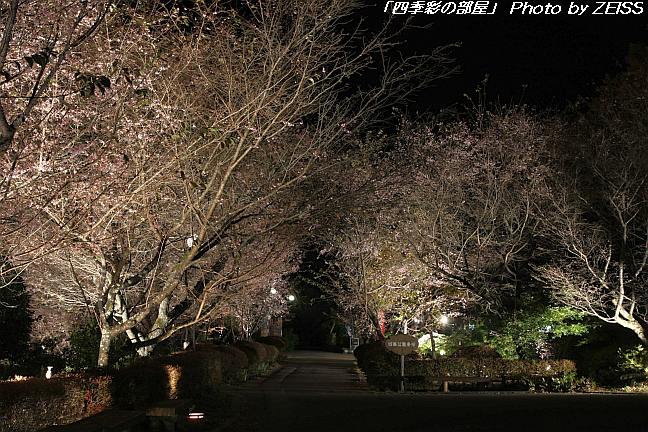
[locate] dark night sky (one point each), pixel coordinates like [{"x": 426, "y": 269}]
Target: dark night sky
[{"x": 543, "y": 61}]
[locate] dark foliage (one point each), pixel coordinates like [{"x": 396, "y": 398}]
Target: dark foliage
[
  {"x": 84, "y": 340},
  {"x": 16, "y": 317}
]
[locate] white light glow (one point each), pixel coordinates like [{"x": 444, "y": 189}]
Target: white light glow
[
  {"x": 273, "y": 291},
  {"x": 291, "y": 297},
  {"x": 191, "y": 240},
  {"x": 196, "y": 415},
  {"x": 444, "y": 319}
]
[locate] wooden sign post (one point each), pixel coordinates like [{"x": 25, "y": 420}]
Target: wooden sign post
[{"x": 402, "y": 344}]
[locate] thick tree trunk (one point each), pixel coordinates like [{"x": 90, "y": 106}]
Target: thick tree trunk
[
  {"x": 433, "y": 345},
  {"x": 636, "y": 327},
  {"x": 161, "y": 322},
  {"x": 104, "y": 349}
]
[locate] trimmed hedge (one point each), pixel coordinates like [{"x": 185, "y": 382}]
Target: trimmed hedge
[
  {"x": 491, "y": 368},
  {"x": 476, "y": 351},
  {"x": 140, "y": 384},
  {"x": 255, "y": 351},
  {"x": 191, "y": 374},
  {"x": 180, "y": 375},
  {"x": 276, "y": 341},
  {"x": 33, "y": 404},
  {"x": 260, "y": 356},
  {"x": 234, "y": 362},
  {"x": 379, "y": 364},
  {"x": 272, "y": 353},
  {"x": 36, "y": 403},
  {"x": 374, "y": 359}
]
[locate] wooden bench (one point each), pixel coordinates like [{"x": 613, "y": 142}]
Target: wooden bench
[
  {"x": 105, "y": 421},
  {"x": 446, "y": 380},
  {"x": 429, "y": 382}
]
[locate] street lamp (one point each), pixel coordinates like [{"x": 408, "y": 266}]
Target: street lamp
[{"x": 291, "y": 297}]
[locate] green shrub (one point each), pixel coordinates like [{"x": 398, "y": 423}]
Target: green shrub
[
  {"x": 260, "y": 356},
  {"x": 379, "y": 365},
  {"x": 633, "y": 365},
  {"x": 476, "y": 352},
  {"x": 565, "y": 382},
  {"x": 234, "y": 363}
]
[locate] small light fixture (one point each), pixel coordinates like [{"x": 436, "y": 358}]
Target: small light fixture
[
  {"x": 196, "y": 416},
  {"x": 48, "y": 374},
  {"x": 291, "y": 297},
  {"x": 273, "y": 291},
  {"x": 191, "y": 240}
]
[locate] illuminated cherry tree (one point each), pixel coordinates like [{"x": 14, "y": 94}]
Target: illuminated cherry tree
[
  {"x": 181, "y": 195},
  {"x": 41, "y": 55},
  {"x": 455, "y": 220},
  {"x": 598, "y": 218}
]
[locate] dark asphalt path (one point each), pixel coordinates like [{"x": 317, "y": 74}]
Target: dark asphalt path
[{"x": 321, "y": 392}]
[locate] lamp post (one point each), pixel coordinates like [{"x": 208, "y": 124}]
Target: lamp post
[{"x": 443, "y": 320}]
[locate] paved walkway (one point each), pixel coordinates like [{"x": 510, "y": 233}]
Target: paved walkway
[
  {"x": 321, "y": 392},
  {"x": 312, "y": 372}
]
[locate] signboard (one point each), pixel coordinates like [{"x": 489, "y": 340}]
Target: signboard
[
  {"x": 355, "y": 342},
  {"x": 402, "y": 344}
]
